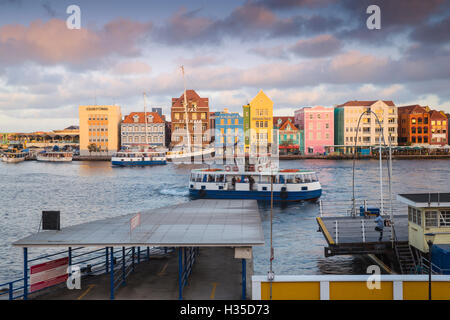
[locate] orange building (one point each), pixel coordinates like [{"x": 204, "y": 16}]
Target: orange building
[
  {"x": 197, "y": 113},
  {"x": 438, "y": 128},
  {"x": 99, "y": 128},
  {"x": 413, "y": 125}
]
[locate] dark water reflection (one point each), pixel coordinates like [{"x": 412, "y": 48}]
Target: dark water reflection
[{"x": 86, "y": 191}]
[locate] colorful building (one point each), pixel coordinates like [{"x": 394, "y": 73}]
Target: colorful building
[
  {"x": 134, "y": 132},
  {"x": 229, "y": 133},
  {"x": 317, "y": 124},
  {"x": 413, "y": 125},
  {"x": 346, "y": 117},
  {"x": 258, "y": 123},
  {"x": 438, "y": 128},
  {"x": 195, "y": 115},
  {"x": 289, "y": 136},
  {"x": 99, "y": 129}
]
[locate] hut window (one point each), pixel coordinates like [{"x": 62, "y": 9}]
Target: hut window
[
  {"x": 431, "y": 219},
  {"x": 444, "y": 219}
]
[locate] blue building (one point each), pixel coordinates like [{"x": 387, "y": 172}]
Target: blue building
[{"x": 229, "y": 133}]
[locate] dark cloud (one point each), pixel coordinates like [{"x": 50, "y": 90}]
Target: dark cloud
[
  {"x": 277, "y": 52},
  {"x": 433, "y": 33},
  {"x": 49, "y": 9},
  {"x": 289, "y": 4},
  {"x": 320, "y": 46}
]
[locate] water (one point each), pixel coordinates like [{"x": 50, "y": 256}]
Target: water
[{"x": 86, "y": 191}]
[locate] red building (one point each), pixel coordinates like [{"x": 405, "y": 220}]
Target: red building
[
  {"x": 197, "y": 113},
  {"x": 413, "y": 125}
]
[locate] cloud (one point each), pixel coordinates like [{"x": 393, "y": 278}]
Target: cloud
[
  {"x": 131, "y": 68},
  {"x": 52, "y": 42},
  {"x": 433, "y": 33},
  {"x": 276, "y": 52},
  {"x": 320, "y": 46}
]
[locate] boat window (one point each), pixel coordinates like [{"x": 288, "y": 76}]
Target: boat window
[
  {"x": 289, "y": 179},
  {"x": 299, "y": 178},
  {"x": 307, "y": 178}
]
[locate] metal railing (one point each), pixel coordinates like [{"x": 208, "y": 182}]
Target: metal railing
[
  {"x": 424, "y": 267},
  {"x": 91, "y": 262},
  {"x": 345, "y": 207}
]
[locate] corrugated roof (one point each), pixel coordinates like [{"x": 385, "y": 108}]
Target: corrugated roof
[{"x": 226, "y": 223}]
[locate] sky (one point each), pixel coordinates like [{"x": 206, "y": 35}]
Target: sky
[{"x": 300, "y": 52}]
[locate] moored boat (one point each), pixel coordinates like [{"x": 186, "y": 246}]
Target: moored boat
[
  {"x": 138, "y": 158},
  {"x": 14, "y": 157},
  {"x": 287, "y": 185},
  {"x": 54, "y": 156}
]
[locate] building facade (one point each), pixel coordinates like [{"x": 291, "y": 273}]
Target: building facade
[
  {"x": 99, "y": 129},
  {"x": 134, "y": 132},
  {"x": 438, "y": 128},
  {"x": 317, "y": 124},
  {"x": 289, "y": 136},
  {"x": 196, "y": 115},
  {"x": 413, "y": 125},
  {"x": 346, "y": 117},
  {"x": 258, "y": 123},
  {"x": 229, "y": 133}
]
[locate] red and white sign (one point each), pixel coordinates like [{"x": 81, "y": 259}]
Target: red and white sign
[
  {"x": 135, "y": 222},
  {"x": 48, "y": 274}
]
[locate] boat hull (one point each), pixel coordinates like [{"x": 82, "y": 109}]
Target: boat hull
[
  {"x": 256, "y": 195},
  {"x": 138, "y": 163},
  {"x": 12, "y": 160},
  {"x": 45, "y": 159}
]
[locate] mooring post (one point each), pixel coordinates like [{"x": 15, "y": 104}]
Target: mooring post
[
  {"x": 70, "y": 255},
  {"x": 148, "y": 253},
  {"x": 106, "y": 260},
  {"x": 123, "y": 266},
  {"x": 25, "y": 273},
  {"x": 180, "y": 274},
  {"x": 132, "y": 258}
]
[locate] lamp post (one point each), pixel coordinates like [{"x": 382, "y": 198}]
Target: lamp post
[{"x": 429, "y": 238}]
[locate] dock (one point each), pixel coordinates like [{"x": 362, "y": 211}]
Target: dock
[
  {"x": 207, "y": 247},
  {"x": 346, "y": 235}
]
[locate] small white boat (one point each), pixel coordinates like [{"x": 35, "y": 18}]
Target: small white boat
[{"x": 55, "y": 156}]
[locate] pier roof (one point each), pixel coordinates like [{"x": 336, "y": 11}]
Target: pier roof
[
  {"x": 424, "y": 200},
  {"x": 221, "y": 223}
]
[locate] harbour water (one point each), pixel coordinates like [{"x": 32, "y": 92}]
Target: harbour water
[{"x": 85, "y": 191}]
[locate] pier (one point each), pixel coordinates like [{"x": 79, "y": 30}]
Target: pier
[
  {"x": 207, "y": 246},
  {"x": 357, "y": 235}
]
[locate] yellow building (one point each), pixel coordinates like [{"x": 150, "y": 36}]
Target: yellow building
[
  {"x": 99, "y": 127},
  {"x": 258, "y": 122}
]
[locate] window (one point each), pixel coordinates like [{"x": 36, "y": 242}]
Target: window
[
  {"x": 236, "y": 121},
  {"x": 194, "y": 116},
  {"x": 431, "y": 219},
  {"x": 203, "y": 115},
  {"x": 229, "y": 122},
  {"x": 444, "y": 219}
]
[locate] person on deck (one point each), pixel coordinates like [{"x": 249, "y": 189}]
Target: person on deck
[{"x": 380, "y": 225}]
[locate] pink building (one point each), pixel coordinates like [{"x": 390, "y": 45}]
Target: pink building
[{"x": 317, "y": 124}]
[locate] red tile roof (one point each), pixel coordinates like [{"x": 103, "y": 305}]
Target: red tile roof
[
  {"x": 436, "y": 115},
  {"x": 285, "y": 121},
  {"x": 415, "y": 108},
  {"x": 191, "y": 95},
  {"x": 357, "y": 103},
  {"x": 130, "y": 118}
]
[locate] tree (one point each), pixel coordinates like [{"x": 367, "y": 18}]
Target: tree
[{"x": 92, "y": 147}]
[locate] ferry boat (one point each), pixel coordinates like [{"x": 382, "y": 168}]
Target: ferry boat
[
  {"x": 288, "y": 184},
  {"x": 138, "y": 158},
  {"x": 54, "y": 156}
]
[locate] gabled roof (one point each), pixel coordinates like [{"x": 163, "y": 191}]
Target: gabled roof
[
  {"x": 191, "y": 95},
  {"x": 436, "y": 115},
  {"x": 130, "y": 118},
  {"x": 361, "y": 103},
  {"x": 415, "y": 108},
  {"x": 284, "y": 123},
  {"x": 261, "y": 96}
]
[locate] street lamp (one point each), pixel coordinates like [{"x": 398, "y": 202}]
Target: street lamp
[{"x": 429, "y": 238}]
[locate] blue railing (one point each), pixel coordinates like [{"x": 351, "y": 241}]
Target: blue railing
[
  {"x": 91, "y": 262},
  {"x": 186, "y": 260}
]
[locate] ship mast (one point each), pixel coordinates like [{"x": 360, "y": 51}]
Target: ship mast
[
  {"x": 185, "y": 112},
  {"x": 145, "y": 117}
]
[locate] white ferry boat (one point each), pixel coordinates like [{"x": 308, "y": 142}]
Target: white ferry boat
[
  {"x": 184, "y": 155},
  {"x": 288, "y": 184},
  {"x": 54, "y": 156},
  {"x": 138, "y": 158}
]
